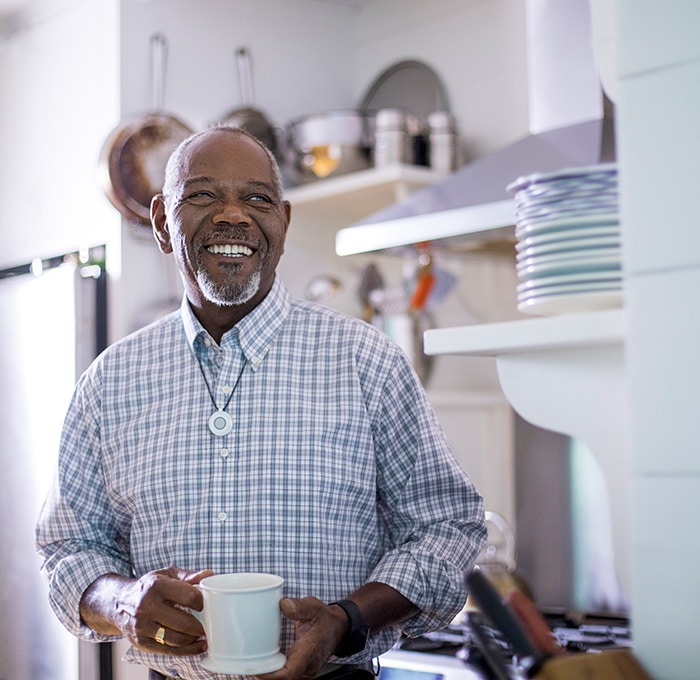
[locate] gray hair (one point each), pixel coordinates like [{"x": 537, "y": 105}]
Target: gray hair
[{"x": 175, "y": 165}]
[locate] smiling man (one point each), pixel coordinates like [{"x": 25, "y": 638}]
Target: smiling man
[{"x": 252, "y": 432}]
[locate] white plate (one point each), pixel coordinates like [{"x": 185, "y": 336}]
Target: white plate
[
  {"x": 585, "y": 301},
  {"x": 542, "y": 282},
  {"x": 562, "y": 210},
  {"x": 584, "y": 268},
  {"x": 569, "y": 289},
  {"x": 568, "y": 237},
  {"x": 567, "y": 247},
  {"x": 535, "y": 192},
  {"x": 590, "y": 172},
  {"x": 527, "y": 227},
  {"x": 576, "y": 255}
]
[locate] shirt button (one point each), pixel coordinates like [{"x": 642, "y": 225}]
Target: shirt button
[
  {"x": 222, "y": 517},
  {"x": 255, "y": 360},
  {"x": 226, "y": 389},
  {"x": 207, "y": 342},
  {"x": 223, "y": 453}
]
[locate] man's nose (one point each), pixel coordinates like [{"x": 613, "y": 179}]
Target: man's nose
[{"x": 231, "y": 211}]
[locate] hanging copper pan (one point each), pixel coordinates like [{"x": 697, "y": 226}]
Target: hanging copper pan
[{"x": 134, "y": 155}]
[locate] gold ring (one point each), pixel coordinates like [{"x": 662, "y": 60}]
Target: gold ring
[{"x": 160, "y": 636}]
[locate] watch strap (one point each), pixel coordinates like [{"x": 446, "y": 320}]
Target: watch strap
[{"x": 355, "y": 637}]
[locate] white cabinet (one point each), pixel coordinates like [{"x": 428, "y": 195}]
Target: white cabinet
[{"x": 565, "y": 374}]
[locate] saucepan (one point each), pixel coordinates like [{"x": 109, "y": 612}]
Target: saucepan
[
  {"x": 328, "y": 144},
  {"x": 134, "y": 155},
  {"x": 248, "y": 117}
]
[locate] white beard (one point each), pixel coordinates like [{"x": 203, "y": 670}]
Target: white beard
[{"x": 231, "y": 295}]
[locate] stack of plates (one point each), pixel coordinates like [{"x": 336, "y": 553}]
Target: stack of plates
[{"x": 568, "y": 240}]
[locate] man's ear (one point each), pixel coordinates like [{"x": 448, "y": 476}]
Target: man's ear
[{"x": 159, "y": 223}]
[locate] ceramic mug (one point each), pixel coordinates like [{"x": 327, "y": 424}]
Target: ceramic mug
[{"x": 241, "y": 619}]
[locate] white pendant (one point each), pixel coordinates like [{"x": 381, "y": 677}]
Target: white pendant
[{"x": 220, "y": 423}]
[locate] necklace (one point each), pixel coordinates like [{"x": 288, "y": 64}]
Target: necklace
[{"x": 220, "y": 422}]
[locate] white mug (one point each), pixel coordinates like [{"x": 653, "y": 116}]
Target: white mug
[{"x": 241, "y": 619}]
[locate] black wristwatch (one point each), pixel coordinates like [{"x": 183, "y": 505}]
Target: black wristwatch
[{"x": 355, "y": 637}]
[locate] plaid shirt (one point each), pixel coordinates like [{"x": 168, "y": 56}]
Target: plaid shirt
[{"x": 336, "y": 472}]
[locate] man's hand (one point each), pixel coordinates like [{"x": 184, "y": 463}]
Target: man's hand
[
  {"x": 138, "y": 609},
  {"x": 318, "y": 630}
]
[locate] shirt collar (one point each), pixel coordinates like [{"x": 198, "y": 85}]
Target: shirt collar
[{"x": 255, "y": 333}]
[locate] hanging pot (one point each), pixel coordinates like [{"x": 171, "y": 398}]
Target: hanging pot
[
  {"x": 247, "y": 117},
  {"x": 134, "y": 155}
]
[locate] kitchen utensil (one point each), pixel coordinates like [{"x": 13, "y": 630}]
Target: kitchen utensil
[
  {"x": 502, "y": 617},
  {"x": 133, "y": 157},
  {"x": 409, "y": 85},
  {"x": 370, "y": 281},
  {"x": 425, "y": 281},
  {"x": 534, "y": 624},
  {"x": 491, "y": 654},
  {"x": 328, "y": 145},
  {"x": 322, "y": 287},
  {"x": 248, "y": 117}
]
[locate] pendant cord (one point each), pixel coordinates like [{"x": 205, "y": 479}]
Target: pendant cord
[{"x": 211, "y": 395}]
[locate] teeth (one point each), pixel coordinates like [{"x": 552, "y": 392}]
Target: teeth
[{"x": 231, "y": 250}]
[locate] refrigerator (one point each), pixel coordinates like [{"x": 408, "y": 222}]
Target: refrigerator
[{"x": 53, "y": 316}]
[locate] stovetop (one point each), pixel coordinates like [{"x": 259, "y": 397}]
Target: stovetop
[{"x": 574, "y": 631}]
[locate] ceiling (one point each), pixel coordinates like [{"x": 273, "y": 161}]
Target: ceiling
[{"x": 8, "y": 7}]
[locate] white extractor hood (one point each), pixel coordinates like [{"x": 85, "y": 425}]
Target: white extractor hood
[{"x": 571, "y": 124}]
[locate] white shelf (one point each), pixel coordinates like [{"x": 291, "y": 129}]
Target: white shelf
[
  {"x": 530, "y": 335},
  {"x": 447, "y": 229},
  {"x": 353, "y": 197}
]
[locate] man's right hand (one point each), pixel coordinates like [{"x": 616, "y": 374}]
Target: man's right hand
[{"x": 140, "y": 608}]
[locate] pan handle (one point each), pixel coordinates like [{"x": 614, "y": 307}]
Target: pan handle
[
  {"x": 245, "y": 76},
  {"x": 159, "y": 58}
]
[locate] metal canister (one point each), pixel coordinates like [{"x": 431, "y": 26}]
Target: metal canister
[
  {"x": 391, "y": 138},
  {"x": 444, "y": 145}
]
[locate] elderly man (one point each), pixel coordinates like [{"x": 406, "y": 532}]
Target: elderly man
[{"x": 252, "y": 432}]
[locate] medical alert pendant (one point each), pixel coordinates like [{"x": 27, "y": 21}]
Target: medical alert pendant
[{"x": 220, "y": 423}]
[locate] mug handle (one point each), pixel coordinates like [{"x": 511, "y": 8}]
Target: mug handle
[{"x": 197, "y": 615}]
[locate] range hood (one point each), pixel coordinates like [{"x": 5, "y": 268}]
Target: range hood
[{"x": 571, "y": 125}]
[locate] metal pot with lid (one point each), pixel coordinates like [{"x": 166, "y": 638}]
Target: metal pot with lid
[{"x": 328, "y": 144}]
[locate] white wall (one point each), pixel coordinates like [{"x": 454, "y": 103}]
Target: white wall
[
  {"x": 659, "y": 143},
  {"x": 57, "y": 101}
]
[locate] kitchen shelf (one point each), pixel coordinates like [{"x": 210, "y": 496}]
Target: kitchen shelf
[
  {"x": 530, "y": 335},
  {"x": 353, "y": 197},
  {"x": 456, "y": 230},
  {"x": 566, "y": 374}
]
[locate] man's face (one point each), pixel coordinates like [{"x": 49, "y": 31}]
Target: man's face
[{"x": 224, "y": 221}]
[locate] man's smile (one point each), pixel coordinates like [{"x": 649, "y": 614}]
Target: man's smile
[{"x": 230, "y": 250}]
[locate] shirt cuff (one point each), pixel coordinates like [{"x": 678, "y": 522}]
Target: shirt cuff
[{"x": 70, "y": 579}]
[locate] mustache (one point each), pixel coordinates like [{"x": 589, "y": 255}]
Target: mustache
[{"x": 232, "y": 233}]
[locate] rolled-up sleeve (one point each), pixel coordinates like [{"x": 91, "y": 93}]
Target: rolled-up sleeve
[
  {"x": 75, "y": 532},
  {"x": 434, "y": 513}
]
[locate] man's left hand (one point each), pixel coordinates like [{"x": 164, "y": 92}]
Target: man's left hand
[{"x": 319, "y": 629}]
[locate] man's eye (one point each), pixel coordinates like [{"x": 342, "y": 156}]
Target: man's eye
[
  {"x": 259, "y": 198},
  {"x": 201, "y": 197}
]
